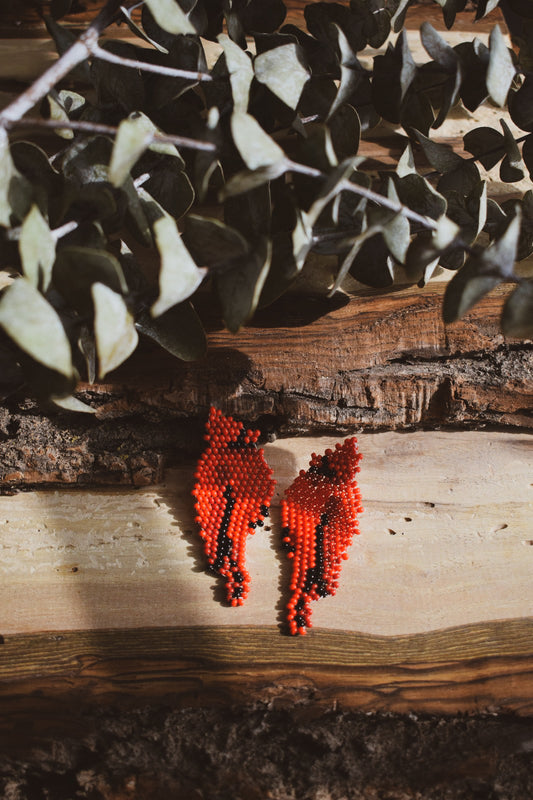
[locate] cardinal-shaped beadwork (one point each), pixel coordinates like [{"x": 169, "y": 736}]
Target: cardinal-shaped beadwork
[
  {"x": 233, "y": 491},
  {"x": 319, "y": 519}
]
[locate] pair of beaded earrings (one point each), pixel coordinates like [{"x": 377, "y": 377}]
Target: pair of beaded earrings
[{"x": 233, "y": 491}]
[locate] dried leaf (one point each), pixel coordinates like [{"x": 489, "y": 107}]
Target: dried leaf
[
  {"x": 213, "y": 243},
  {"x": 521, "y": 105},
  {"x": 501, "y": 69},
  {"x": 114, "y": 329},
  {"x": 179, "y": 277},
  {"x": 135, "y": 134},
  {"x": 441, "y": 157},
  {"x": 256, "y": 148},
  {"x": 31, "y": 322},
  {"x": 486, "y": 144},
  {"x": 241, "y": 72},
  {"x": 76, "y": 268},
  {"x": 512, "y": 167},
  {"x": 11, "y": 184},
  {"x": 71, "y": 403},
  {"x": 239, "y": 287},
  {"x": 170, "y": 17},
  {"x": 37, "y": 249},
  {"x": 284, "y": 72},
  {"x": 179, "y": 330},
  {"x": 396, "y": 233},
  {"x": 517, "y": 315}
]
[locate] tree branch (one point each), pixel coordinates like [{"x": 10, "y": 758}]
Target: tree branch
[
  {"x": 362, "y": 191},
  {"x": 107, "y": 130},
  {"x": 172, "y": 72},
  {"x": 78, "y": 52}
]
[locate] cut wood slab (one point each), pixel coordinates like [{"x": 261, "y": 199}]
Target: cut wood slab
[{"x": 103, "y": 594}]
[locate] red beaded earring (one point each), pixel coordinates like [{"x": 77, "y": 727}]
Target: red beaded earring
[
  {"x": 233, "y": 491},
  {"x": 319, "y": 519}
]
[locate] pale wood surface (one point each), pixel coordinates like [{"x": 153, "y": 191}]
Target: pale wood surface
[{"x": 446, "y": 540}]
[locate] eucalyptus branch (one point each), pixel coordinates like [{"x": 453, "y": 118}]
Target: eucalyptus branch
[
  {"x": 172, "y": 72},
  {"x": 386, "y": 202},
  {"x": 83, "y": 48},
  {"x": 78, "y": 52},
  {"x": 369, "y": 194},
  {"x": 108, "y": 130}
]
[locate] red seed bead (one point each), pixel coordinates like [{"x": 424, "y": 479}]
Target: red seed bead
[
  {"x": 319, "y": 519},
  {"x": 233, "y": 481}
]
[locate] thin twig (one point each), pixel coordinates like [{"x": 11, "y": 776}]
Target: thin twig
[
  {"x": 108, "y": 130},
  {"x": 362, "y": 191},
  {"x": 105, "y": 55},
  {"x": 78, "y": 52}
]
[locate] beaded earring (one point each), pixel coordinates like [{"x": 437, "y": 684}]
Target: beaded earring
[
  {"x": 319, "y": 518},
  {"x": 233, "y": 491}
]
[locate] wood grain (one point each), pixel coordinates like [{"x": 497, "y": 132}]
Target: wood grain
[
  {"x": 303, "y": 366},
  {"x": 446, "y": 541},
  {"x": 49, "y": 682}
]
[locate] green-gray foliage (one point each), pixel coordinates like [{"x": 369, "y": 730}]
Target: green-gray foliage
[{"x": 281, "y": 112}]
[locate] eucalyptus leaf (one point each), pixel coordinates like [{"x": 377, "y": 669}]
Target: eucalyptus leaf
[
  {"x": 396, "y": 232},
  {"x": 58, "y": 113},
  {"x": 356, "y": 244},
  {"x": 466, "y": 288},
  {"x": 170, "y": 186},
  {"x": 406, "y": 163},
  {"x": 239, "y": 288},
  {"x": 501, "y": 255},
  {"x": 463, "y": 179},
  {"x": 527, "y": 154},
  {"x": 213, "y": 243},
  {"x": 442, "y": 158},
  {"x": 417, "y": 193},
  {"x": 474, "y": 63},
  {"x": 501, "y": 70},
  {"x": 135, "y": 134},
  {"x": 71, "y": 403},
  {"x": 512, "y": 167},
  {"x": 486, "y": 144},
  {"x": 436, "y": 47},
  {"x": 117, "y": 84},
  {"x": 484, "y": 7},
  {"x": 284, "y": 72},
  {"x": 248, "y": 180},
  {"x": 250, "y": 213},
  {"x": 351, "y": 73},
  {"x": 256, "y": 148},
  {"x": 37, "y": 249},
  {"x": 168, "y": 14},
  {"x": 179, "y": 330},
  {"x": 345, "y": 132},
  {"x": 521, "y": 105},
  {"x": 10, "y": 180},
  {"x": 179, "y": 276},
  {"x": 517, "y": 315},
  {"x": 449, "y": 9},
  {"x": 138, "y": 31},
  {"x": 372, "y": 264},
  {"x": 114, "y": 329},
  {"x": 241, "y": 72},
  {"x": 31, "y": 322},
  {"x": 262, "y": 15},
  {"x": 63, "y": 39},
  {"x": 77, "y": 268}
]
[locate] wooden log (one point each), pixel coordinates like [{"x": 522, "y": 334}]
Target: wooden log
[
  {"x": 375, "y": 363},
  {"x": 104, "y": 599}
]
